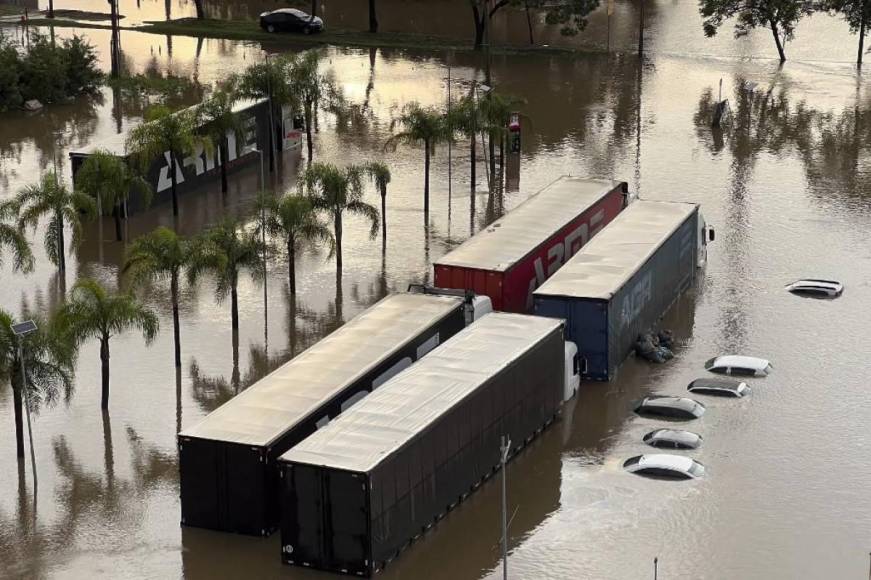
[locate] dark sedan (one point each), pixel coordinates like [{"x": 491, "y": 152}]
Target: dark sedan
[{"x": 290, "y": 20}]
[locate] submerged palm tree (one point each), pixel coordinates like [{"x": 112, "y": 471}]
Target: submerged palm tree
[
  {"x": 294, "y": 220},
  {"x": 166, "y": 133},
  {"x": 160, "y": 255},
  {"x": 64, "y": 208},
  {"x": 422, "y": 125},
  {"x": 12, "y": 238},
  {"x": 108, "y": 179},
  {"x": 225, "y": 251},
  {"x": 94, "y": 312},
  {"x": 337, "y": 191},
  {"x": 380, "y": 174},
  {"x": 49, "y": 360},
  {"x": 218, "y": 112}
]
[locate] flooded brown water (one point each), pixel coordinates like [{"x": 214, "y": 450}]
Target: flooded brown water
[{"x": 786, "y": 187}]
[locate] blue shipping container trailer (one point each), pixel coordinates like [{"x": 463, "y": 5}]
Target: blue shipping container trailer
[
  {"x": 228, "y": 462},
  {"x": 359, "y": 491},
  {"x": 621, "y": 283}
]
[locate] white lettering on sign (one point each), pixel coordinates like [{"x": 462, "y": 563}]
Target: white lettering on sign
[
  {"x": 560, "y": 252},
  {"x": 636, "y": 299},
  {"x": 203, "y": 163}
]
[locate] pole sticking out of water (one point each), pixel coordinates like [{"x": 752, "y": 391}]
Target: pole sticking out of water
[
  {"x": 503, "y": 448},
  {"x": 450, "y": 156},
  {"x": 655, "y": 568},
  {"x": 27, "y": 410}
]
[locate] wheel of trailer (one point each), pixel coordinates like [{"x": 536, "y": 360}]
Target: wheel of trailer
[{"x": 270, "y": 28}]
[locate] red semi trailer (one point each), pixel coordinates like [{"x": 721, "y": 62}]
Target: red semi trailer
[{"x": 517, "y": 253}]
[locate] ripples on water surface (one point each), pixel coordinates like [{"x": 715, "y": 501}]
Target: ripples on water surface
[{"x": 786, "y": 188}]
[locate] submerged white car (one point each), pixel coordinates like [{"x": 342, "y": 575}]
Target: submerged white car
[
  {"x": 719, "y": 388},
  {"x": 665, "y": 465},
  {"x": 739, "y": 365},
  {"x": 673, "y": 439},
  {"x": 674, "y": 407},
  {"x": 816, "y": 288}
]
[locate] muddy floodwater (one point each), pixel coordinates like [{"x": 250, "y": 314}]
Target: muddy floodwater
[{"x": 786, "y": 187}]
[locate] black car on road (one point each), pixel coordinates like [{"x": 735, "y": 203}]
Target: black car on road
[{"x": 290, "y": 20}]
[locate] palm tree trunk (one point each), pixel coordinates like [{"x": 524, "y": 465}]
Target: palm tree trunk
[
  {"x": 383, "y": 216},
  {"x": 18, "y": 407},
  {"x": 308, "y": 132},
  {"x": 225, "y": 157},
  {"x": 861, "y": 40},
  {"x": 426, "y": 180},
  {"x": 479, "y": 24},
  {"x": 337, "y": 226},
  {"x": 234, "y": 306},
  {"x": 176, "y": 326},
  {"x": 473, "y": 159},
  {"x": 104, "y": 360},
  {"x": 373, "y": 17},
  {"x": 117, "y": 215},
  {"x": 172, "y": 179},
  {"x": 492, "y": 146},
  {"x": 291, "y": 266},
  {"x": 108, "y": 452},
  {"x": 501, "y": 159},
  {"x": 62, "y": 255},
  {"x": 201, "y": 11},
  {"x": 777, "y": 41}
]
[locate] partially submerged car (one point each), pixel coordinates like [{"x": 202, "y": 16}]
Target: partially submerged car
[
  {"x": 719, "y": 388},
  {"x": 739, "y": 365},
  {"x": 290, "y": 20},
  {"x": 665, "y": 466},
  {"x": 673, "y": 439},
  {"x": 674, "y": 407},
  {"x": 816, "y": 288}
]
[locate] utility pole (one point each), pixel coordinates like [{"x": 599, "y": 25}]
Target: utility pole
[
  {"x": 641, "y": 30},
  {"x": 504, "y": 447},
  {"x": 655, "y": 568},
  {"x": 487, "y": 78},
  {"x": 450, "y": 141},
  {"x": 21, "y": 330}
]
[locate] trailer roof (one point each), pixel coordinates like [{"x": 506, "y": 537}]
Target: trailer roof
[
  {"x": 277, "y": 402},
  {"x": 606, "y": 262},
  {"x": 117, "y": 143},
  {"x": 407, "y": 404},
  {"x": 511, "y": 238}
]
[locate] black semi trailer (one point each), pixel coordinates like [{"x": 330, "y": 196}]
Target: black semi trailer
[
  {"x": 358, "y": 492},
  {"x": 228, "y": 462}
]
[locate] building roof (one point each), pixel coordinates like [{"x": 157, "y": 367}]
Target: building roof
[
  {"x": 511, "y": 238},
  {"x": 394, "y": 414},
  {"x": 605, "y": 263},
  {"x": 117, "y": 143},
  {"x": 277, "y": 402}
]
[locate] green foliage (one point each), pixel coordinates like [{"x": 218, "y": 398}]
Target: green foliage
[
  {"x": 781, "y": 16},
  {"x": 153, "y": 85},
  {"x": 225, "y": 251},
  {"x": 294, "y": 220},
  {"x": 111, "y": 179},
  {"x": 12, "y": 237},
  {"x": 159, "y": 255},
  {"x": 855, "y": 12},
  {"x": 339, "y": 190},
  {"x": 49, "y": 358},
  {"x": 379, "y": 173},
  {"x": 48, "y": 71},
  {"x": 165, "y": 130},
  {"x": 50, "y": 198},
  {"x": 421, "y": 125},
  {"x": 92, "y": 311},
  {"x": 570, "y": 16}
]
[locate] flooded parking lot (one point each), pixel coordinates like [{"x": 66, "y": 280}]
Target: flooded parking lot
[{"x": 786, "y": 187}]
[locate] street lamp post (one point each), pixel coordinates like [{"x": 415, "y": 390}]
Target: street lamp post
[
  {"x": 263, "y": 238},
  {"x": 21, "y": 330},
  {"x": 504, "y": 448}
]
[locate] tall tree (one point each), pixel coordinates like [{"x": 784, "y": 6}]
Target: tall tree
[
  {"x": 780, "y": 16},
  {"x": 110, "y": 180},
  {"x": 311, "y": 88},
  {"x": 160, "y": 255},
  {"x": 495, "y": 110},
  {"x": 373, "y": 17},
  {"x": 465, "y": 119},
  {"x": 294, "y": 220},
  {"x": 337, "y": 191},
  {"x": 225, "y": 251},
  {"x": 379, "y": 172},
  {"x": 221, "y": 122},
  {"x": 49, "y": 362},
  {"x": 571, "y": 15},
  {"x": 12, "y": 237},
  {"x": 50, "y": 198},
  {"x": 269, "y": 79},
  {"x": 422, "y": 125},
  {"x": 169, "y": 135},
  {"x": 94, "y": 312},
  {"x": 857, "y": 13}
]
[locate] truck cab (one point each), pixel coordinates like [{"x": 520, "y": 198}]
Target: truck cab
[
  {"x": 706, "y": 236},
  {"x": 573, "y": 371},
  {"x": 477, "y": 305}
]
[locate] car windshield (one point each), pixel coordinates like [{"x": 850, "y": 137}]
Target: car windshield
[
  {"x": 632, "y": 461},
  {"x": 697, "y": 469}
]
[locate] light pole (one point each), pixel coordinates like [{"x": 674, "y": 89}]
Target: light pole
[
  {"x": 504, "y": 447},
  {"x": 21, "y": 330},
  {"x": 263, "y": 239}
]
